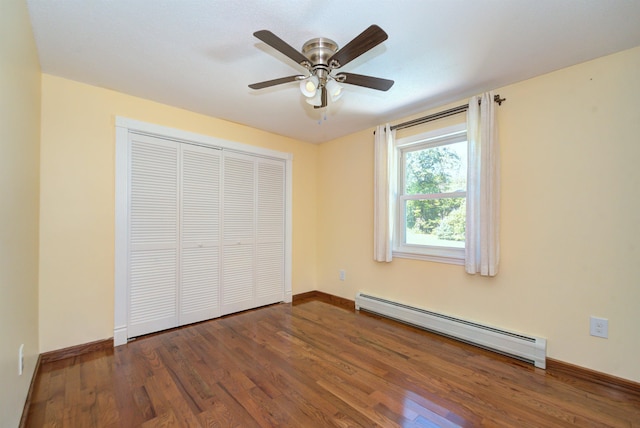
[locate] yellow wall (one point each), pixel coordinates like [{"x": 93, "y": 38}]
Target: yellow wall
[
  {"x": 570, "y": 232},
  {"x": 569, "y": 209},
  {"x": 19, "y": 181},
  {"x": 77, "y": 202}
]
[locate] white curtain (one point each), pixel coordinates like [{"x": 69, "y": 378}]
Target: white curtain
[
  {"x": 384, "y": 193},
  {"x": 482, "y": 246}
]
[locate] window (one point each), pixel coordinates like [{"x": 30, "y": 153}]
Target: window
[{"x": 431, "y": 195}]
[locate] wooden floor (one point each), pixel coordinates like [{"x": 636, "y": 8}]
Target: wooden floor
[{"x": 313, "y": 365}]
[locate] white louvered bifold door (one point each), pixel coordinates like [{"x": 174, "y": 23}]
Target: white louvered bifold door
[
  {"x": 153, "y": 235},
  {"x": 200, "y": 234},
  {"x": 270, "y": 232},
  {"x": 205, "y": 233},
  {"x": 238, "y": 276}
]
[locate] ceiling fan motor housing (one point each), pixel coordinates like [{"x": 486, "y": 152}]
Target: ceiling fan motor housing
[{"x": 319, "y": 50}]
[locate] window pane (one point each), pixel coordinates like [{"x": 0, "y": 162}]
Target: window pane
[
  {"x": 438, "y": 169},
  {"x": 438, "y": 222}
]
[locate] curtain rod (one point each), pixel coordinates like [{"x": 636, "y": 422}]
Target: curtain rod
[{"x": 440, "y": 115}]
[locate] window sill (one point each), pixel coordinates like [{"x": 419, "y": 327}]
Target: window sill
[{"x": 450, "y": 259}]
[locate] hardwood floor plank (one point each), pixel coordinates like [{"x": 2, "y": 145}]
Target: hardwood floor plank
[
  {"x": 180, "y": 380},
  {"x": 54, "y": 410},
  {"x": 345, "y": 394},
  {"x": 143, "y": 402},
  {"x": 167, "y": 401},
  {"x": 315, "y": 365},
  {"x": 132, "y": 399},
  {"x": 36, "y": 414},
  {"x": 108, "y": 415},
  {"x": 219, "y": 415},
  {"x": 261, "y": 408},
  {"x": 72, "y": 390},
  {"x": 77, "y": 416},
  {"x": 41, "y": 386},
  {"x": 237, "y": 415},
  {"x": 166, "y": 419}
]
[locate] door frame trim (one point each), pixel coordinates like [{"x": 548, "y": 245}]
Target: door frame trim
[{"x": 123, "y": 127}]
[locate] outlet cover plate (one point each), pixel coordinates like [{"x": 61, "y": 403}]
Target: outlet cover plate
[{"x": 599, "y": 327}]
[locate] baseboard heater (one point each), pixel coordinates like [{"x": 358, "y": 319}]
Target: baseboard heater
[{"x": 526, "y": 348}]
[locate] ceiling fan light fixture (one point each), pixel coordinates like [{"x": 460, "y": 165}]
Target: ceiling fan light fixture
[
  {"x": 309, "y": 86},
  {"x": 316, "y": 100},
  {"x": 321, "y": 57},
  {"x": 335, "y": 90}
]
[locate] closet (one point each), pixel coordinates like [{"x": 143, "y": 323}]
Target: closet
[{"x": 205, "y": 235}]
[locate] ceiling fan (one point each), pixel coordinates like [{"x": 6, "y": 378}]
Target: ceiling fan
[{"x": 322, "y": 58}]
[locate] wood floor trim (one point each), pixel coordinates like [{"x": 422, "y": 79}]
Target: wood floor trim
[
  {"x": 75, "y": 351},
  {"x": 560, "y": 368},
  {"x": 326, "y": 298},
  {"x": 554, "y": 367},
  {"x": 309, "y": 295}
]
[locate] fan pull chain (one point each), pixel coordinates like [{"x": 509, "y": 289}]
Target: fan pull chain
[{"x": 323, "y": 117}]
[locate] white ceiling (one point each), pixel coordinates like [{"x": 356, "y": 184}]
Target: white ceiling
[{"x": 200, "y": 55}]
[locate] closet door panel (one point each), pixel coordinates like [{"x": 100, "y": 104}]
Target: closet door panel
[
  {"x": 238, "y": 279},
  {"x": 270, "y": 232},
  {"x": 200, "y": 285},
  {"x": 200, "y": 234},
  {"x": 238, "y": 226},
  {"x": 153, "y": 235},
  {"x": 153, "y": 291},
  {"x": 239, "y": 194},
  {"x": 270, "y": 275}
]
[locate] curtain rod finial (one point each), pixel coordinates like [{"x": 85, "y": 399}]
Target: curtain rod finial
[{"x": 499, "y": 100}]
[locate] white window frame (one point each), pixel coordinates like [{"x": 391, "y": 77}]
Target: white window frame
[{"x": 438, "y": 137}]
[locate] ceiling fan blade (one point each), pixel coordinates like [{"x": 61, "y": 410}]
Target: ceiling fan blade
[
  {"x": 281, "y": 46},
  {"x": 323, "y": 98},
  {"x": 366, "y": 81},
  {"x": 368, "y": 39},
  {"x": 274, "y": 82}
]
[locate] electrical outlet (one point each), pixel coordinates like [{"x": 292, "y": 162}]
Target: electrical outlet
[
  {"x": 343, "y": 275},
  {"x": 21, "y": 360},
  {"x": 599, "y": 327}
]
